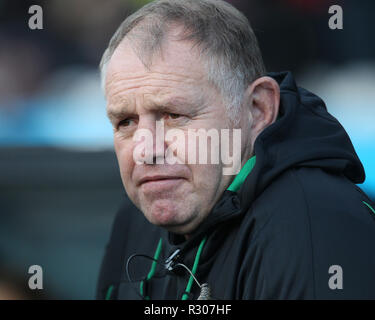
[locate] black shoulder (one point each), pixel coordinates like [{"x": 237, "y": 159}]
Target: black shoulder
[
  {"x": 315, "y": 221},
  {"x": 131, "y": 233}
]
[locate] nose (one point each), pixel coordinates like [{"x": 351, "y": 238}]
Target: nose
[{"x": 150, "y": 141}]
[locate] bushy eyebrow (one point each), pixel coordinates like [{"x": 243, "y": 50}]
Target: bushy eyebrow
[
  {"x": 113, "y": 115},
  {"x": 169, "y": 106}
]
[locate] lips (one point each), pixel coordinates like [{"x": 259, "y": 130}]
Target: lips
[
  {"x": 158, "y": 178},
  {"x": 160, "y": 184}
]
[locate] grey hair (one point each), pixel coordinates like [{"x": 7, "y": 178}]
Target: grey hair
[{"x": 223, "y": 34}]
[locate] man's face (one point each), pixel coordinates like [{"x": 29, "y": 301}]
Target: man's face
[{"x": 175, "y": 91}]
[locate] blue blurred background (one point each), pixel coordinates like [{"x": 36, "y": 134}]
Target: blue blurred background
[{"x": 59, "y": 181}]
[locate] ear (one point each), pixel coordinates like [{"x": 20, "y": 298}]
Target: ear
[{"x": 264, "y": 100}]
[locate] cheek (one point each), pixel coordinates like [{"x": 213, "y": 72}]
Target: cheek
[
  {"x": 192, "y": 149},
  {"x": 206, "y": 179},
  {"x": 125, "y": 160}
]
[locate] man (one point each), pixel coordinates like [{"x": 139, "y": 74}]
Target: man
[{"x": 291, "y": 224}]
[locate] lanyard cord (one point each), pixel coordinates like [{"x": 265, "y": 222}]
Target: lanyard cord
[
  {"x": 152, "y": 270},
  {"x": 195, "y": 267},
  {"x": 191, "y": 279}
]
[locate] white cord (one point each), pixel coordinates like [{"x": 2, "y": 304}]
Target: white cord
[{"x": 182, "y": 265}]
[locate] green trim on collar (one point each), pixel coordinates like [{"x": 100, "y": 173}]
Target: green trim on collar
[
  {"x": 242, "y": 175},
  {"x": 369, "y": 206}
]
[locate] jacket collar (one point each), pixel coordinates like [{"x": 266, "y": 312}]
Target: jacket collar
[{"x": 227, "y": 208}]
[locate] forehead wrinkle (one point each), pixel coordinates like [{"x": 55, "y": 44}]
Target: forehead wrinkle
[
  {"x": 121, "y": 76},
  {"x": 179, "y": 72},
  {"x": 118, "y": 87},
  {"x": 119, "y": 84}
]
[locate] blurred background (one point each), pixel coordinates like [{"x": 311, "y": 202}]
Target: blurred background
[{"x": 59, "y": 181}]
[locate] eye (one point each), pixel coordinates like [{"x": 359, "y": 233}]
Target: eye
[
  {"x": 125, "y": 123},
  {"x": 173, "y": 115}
]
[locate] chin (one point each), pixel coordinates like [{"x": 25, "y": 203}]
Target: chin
[
  {"x": 163, "y": 219},
  {"x": 163, "y": 212},
  {"x": 169, "y": 215}
]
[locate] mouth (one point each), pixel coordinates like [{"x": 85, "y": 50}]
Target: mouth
[
  {"x": 160, "y": 183},
  {"x": 158, "y": 179}
]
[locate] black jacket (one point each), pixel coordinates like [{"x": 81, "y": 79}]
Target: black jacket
[{"x": 298, "y": 227}]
